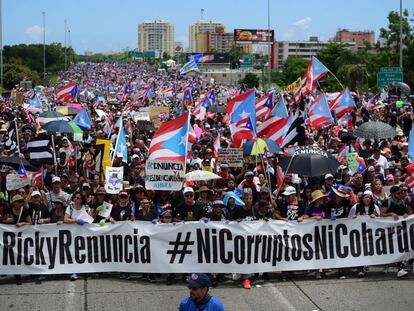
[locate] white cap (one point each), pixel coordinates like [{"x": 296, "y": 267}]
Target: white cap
[
  {"x": 135, "y": 156},
  {"x": 119, "y": 155},
  {"x": 35, "y": 193},
  {"x": 367, "y": 192},
  {"x": 188, "y": 189},
  {"x": 289, "y": 191},
  {"x": 56, "y": 179},
  {"x": 328, "y": 176},
  {"x": 85, "y": 184}
]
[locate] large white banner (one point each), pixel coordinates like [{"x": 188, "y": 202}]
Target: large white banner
[{"x": 246, "y": 247}]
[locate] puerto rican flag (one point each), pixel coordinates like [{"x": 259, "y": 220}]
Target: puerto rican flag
[
  {"x": 275, "y": 126},
  {"x": 22, "y": 172},
  {"x": 342, "y": 154},
  {"x": 170, "y": 141},
  {"x": 200, "y": 110},
  {"x": 241, "y": 112},
  {"x": 319, "y": 113},
  {"x": 66, "y": 92},
  {"x": 343, "y": 103},
  {"x": 316, "y": 71},
  {"x": 263, "y": 107}
]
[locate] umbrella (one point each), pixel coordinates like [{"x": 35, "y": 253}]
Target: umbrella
[
  {"x": 259, "y": 146},
  {"x": 404, "y": 87},
  {"x": 375, "y": 130},
  {"x": 217, "y": 109},
  {"x": 310, "y": 161},
  {"x": 60, "y": 126},
  {"x": 51, "y": 114},
  {"x": 200, "y": 175},
  {"x": 68, "y": 111},
  {"x": 15, "y": 162},
  {"x": 77, "y": 132}
]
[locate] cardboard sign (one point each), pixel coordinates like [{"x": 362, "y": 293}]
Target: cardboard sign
[
  {"x": 113, "y": 179},
  {"x": 106, "y": 211},
  {"x": 141, "y": 116},
  {"x": 164, "y": 175},
  {"x": 158, "y": 114},
  {"x": 352, "y": 162},
  {"x": 233, "y": 156},
  {"x": 14, "y": 182}
]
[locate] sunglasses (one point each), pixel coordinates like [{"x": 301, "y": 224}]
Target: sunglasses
[
  {"x": 19, "y": 201},
  {"x": 123, "y": 197},
  {"x": 189, "y": 195}
]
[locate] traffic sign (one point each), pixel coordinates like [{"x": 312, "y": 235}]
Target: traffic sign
[
  {"x": 391, "y": 69},
  {"x": 385, "y": 78}
]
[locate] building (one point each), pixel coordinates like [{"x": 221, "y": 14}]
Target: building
[
  {"x": 228, "y": 76},
  {"x": 219, "y": 42},
  {"x": 200, "y": 27},
  {"x": 359, "y": 37},
  {"x": 156, "y": 35},
  {"x": 304, "y": 49}
]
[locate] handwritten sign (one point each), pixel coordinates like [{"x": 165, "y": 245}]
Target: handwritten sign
[{"x": 232, "y": 156}]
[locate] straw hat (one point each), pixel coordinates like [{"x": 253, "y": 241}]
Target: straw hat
[
  {"x": 204, "y": 188},
  {"x": 317, "y": 194},
  {"x": 342, "y": 191}
]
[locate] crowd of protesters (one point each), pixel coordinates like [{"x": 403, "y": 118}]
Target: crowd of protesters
[{"x": 72, "y": 186}]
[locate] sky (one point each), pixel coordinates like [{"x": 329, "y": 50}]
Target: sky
[{"x": 103, "y": 25}]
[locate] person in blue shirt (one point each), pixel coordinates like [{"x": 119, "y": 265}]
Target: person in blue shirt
[{"x": 200, "y": 299}]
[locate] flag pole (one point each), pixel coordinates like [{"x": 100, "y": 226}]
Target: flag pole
[
  {"x": 117, "y": 139},
  {"x": 186, "y": 142},
  {"x": 336, "y": 79},
  {"x": 54, "y": 154},
  {"x": 17, "y": 135}
]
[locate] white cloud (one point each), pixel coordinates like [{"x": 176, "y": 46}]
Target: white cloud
[
  {"x": 35, "y": 33},
  {"x": 303, "y": 23},
  {"x": 297, "y": 28}
]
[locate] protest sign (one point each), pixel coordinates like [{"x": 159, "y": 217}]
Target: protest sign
[
  {"x": 107, "y": 208},
  {"x": 113, "y": 179},
  {"x": 106, "y": 160},
  {"x": 233, "y": 156},
  {"x": 157, "y": 114},
  {"x": 164, "y": 175},
  {"x": 352, "y": 162},
  {"x": 213, "y": 247},
  {"x": 14, "y": 182}
]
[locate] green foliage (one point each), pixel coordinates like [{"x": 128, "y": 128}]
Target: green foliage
[
  {"x": 235, "y": 54},
  {"x": 293, "y": 68},
  {"x": 250, "y": 80},
  {"x": 15, "y": 71}
]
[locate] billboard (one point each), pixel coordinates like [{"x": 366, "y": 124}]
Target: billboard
[
  {"x": 210, "y": 58},
  {"x": 254, "y": 35}
]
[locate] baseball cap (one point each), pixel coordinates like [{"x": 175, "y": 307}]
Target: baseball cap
[
  {"x": 187, "y": 190},
  {"x": 224, "y": 165},
  {"x": 197, "y": 280},
  {"x": 86, "y": 185},
  {"x": 328, "y": 176},
  {"x": 166, "y": 213},
  {"x": 123, "y": 193},
  {"x": 218, "y": 202},
  {"x": 56, "y": 179},
  {"x": 35, "y": 193},
  {"x": 248, "y": 173},
  {"x": 394, "y": 189},
  {"x": 135, "y": 156},
  {"x": 289, "y": 191},
  {"x": 390, "y": 177},
  {"x": 17, "y": 197}
]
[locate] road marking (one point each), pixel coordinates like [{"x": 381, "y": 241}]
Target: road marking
[
  {"x": 70, "y": 296},
  {"x": 281, "y": 298}
]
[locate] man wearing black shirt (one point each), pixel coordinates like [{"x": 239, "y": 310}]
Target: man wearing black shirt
[
  {"x": 187, "y": 210},
  {"x": 37, "y": 210}
]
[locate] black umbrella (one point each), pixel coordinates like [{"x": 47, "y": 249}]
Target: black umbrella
[
  {"x": 15, "y": 162},
  {"x": 310, "y": 161},
  {"x": 217, "y": 109},
  {"x": 375, "y": 130}
]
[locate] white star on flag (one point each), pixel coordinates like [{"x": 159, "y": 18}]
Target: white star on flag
[
  {"x": 244, "y": 114},
  {"x": 182, "y": 140}
]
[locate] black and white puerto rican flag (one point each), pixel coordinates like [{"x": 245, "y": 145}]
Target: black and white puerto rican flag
[{"x": 40, "y": 149}]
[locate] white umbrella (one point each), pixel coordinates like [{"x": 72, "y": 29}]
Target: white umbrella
[{"x": 201, "y": 175}]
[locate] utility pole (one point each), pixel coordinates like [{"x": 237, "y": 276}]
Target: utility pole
[
  {"x": 69, "y": 45},
  {"x": 44, "y": 47},
  {"x": 202, "y": 14},
  {"x": 66, "y": 49},
  {"x": 401, "y": 37},
  {"x": 1, "y": 44}
]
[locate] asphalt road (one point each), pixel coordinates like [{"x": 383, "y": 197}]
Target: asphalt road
[{"x": 378, "y": 291}]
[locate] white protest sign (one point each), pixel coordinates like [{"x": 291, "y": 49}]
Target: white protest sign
[
  {"x": 14, "y": 182},
  {"x": 86, "y": 218},
  {"x": 164, "y": 175},
  {"x": 113, "y": 179},
  {"x": 106, "y": 211}
]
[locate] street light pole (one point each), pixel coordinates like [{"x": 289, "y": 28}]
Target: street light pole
[
  {"x": 69, "y": 45},
  {"x": 44, "y": 47},
  {"x": 270, "y": 43},
  {"x": 401, "y": 37},
  {"x": 66, "y": 55}
]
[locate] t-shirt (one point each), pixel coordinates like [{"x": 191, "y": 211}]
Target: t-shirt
[
  {"x": 187, "y": 304},
  {"x": 19, "y": 217},
  {"x": 121, "y": 213},
  {"x": 290, "y": 211},
  {"x": 397, "y": 207},
  {"x": 248, "y": 214},
  {"x": 313, "y": 211},
  {"x": 74, "y": 213},
  {"x": 38, "y": 212},
  {"x": 187, "y": 212},
  {"x": 337, "y": 210}
]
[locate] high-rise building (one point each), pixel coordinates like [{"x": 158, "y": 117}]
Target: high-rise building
[
  {"x": 359, "y": 37},
  {"x": 304, "y": 49},
  {"x": 156, "y": 35},
  {"x": 218, "y": 42},
  {"x": 200, "y": 27}
]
